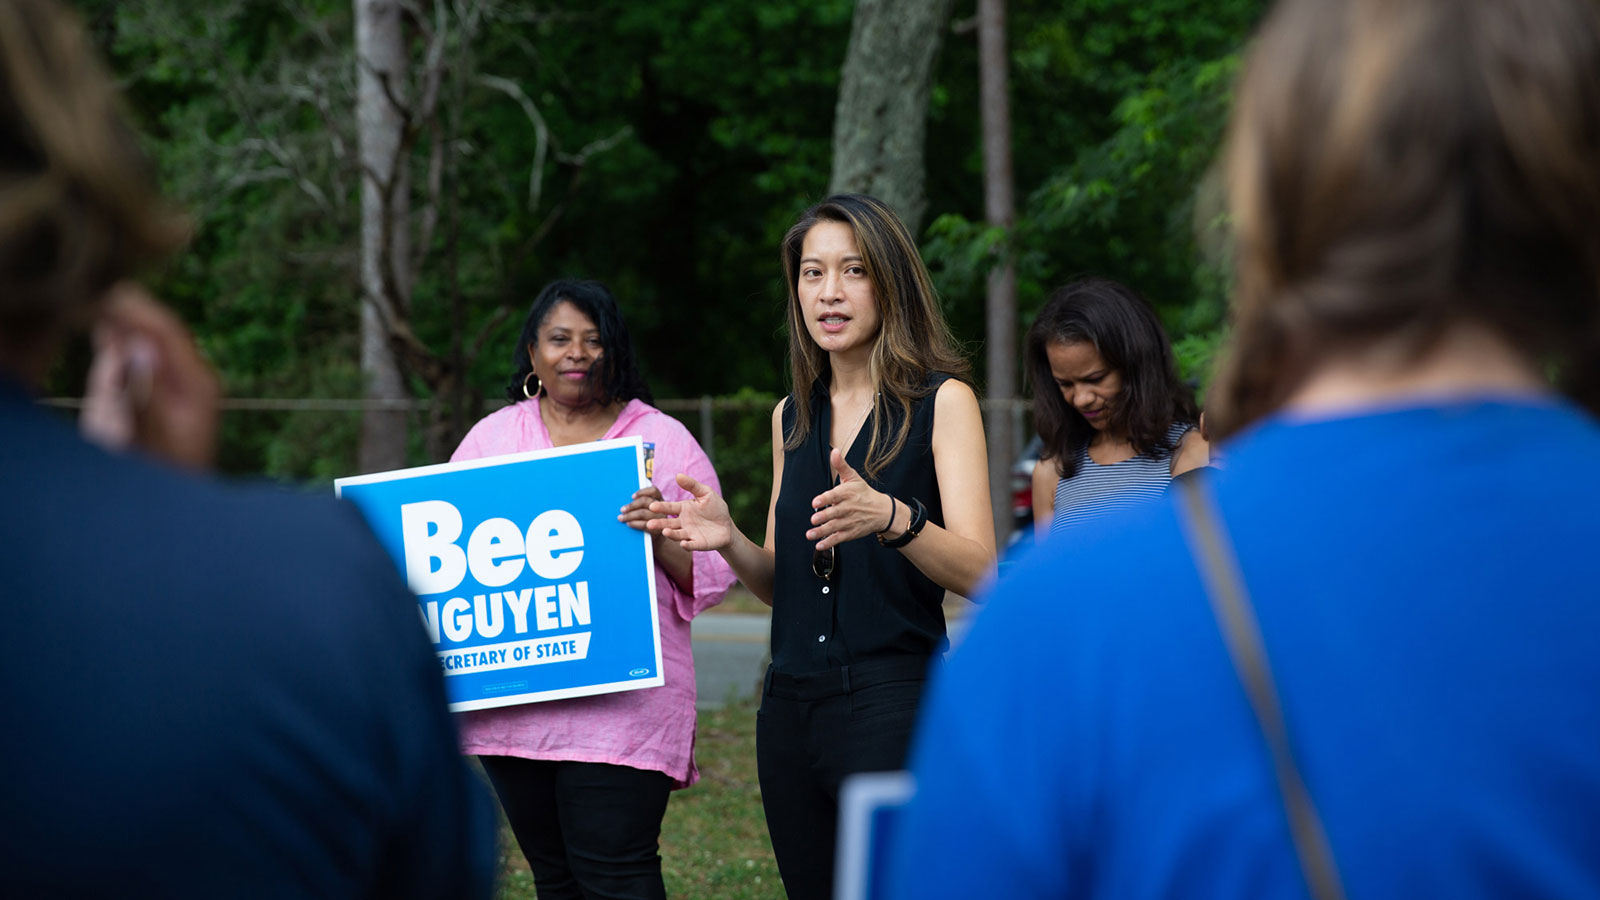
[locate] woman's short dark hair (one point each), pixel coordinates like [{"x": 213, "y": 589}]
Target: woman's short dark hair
[
  {"x": 1125, "y": 331},
  {"x": 617, "y": 369}
]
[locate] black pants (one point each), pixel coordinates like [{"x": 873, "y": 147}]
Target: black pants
[
  {"x": 589, "y": 830},
  {"x": 812, "y": 731}
]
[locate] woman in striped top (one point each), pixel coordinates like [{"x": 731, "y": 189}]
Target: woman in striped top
[{"x": 1117, "y": 422}]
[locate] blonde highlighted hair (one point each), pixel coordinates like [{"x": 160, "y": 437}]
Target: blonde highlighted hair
[
  {"x": 1397, "y": 168},
  {"x": 913, "y": 339},
  {"x": 78, "y": 205}
]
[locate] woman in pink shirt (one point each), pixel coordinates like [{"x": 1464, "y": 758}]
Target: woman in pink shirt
[{"x": 584, "y": 782}]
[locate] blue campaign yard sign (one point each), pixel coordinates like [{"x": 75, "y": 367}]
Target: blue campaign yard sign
[{"x": 529, "y": 586}]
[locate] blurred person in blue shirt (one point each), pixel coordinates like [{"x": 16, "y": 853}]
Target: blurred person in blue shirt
[{"x": 1408, "y": 520}]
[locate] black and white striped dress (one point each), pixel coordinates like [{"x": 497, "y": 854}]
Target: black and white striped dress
[{"x": 1096, "y": 490}]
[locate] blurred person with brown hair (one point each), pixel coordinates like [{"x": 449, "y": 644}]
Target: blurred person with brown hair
[
  {"x": 211, "y": 691},
  {"x": 1361, "y": 657}
]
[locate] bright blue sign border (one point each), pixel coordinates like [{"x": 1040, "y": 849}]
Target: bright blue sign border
[{"x": 528, "y": 584}]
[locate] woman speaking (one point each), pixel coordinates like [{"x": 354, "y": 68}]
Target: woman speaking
[{"x": 880, "y": 504}]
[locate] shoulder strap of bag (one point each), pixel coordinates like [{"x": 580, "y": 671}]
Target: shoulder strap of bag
[{"x": 1230, "y": 605}]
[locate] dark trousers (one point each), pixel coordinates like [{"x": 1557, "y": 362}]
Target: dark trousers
[
  {"x": 812, "y": 731},
  {"x": 589, "y": 830}
]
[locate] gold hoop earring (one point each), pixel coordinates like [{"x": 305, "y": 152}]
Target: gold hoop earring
[{"x": 537, "y": 386}]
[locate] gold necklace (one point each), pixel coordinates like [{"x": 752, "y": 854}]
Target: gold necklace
[{"x": 849, "y": 441}]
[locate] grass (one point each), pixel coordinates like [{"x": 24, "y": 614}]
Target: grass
[{"x": 714, "y": 843}]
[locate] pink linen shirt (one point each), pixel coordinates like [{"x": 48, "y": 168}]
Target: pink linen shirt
[{"x": 652, "y": 728}]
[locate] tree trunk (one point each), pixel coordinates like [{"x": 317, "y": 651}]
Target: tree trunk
[
  {"x": 385, "y": 211},
  {"x": 882, "y": 116},
  {"x": 999, "y": 203}
]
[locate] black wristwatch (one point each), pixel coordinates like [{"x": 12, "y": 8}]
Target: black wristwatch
[{"x": 919, "y": 518}]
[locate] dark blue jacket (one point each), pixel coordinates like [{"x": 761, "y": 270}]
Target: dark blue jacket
[{"x": 213, "y": 691}]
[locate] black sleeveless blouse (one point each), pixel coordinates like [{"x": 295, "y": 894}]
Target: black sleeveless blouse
[{"x": 878, "y": 605}]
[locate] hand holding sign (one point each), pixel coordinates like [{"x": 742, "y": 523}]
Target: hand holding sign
[
  {"x": 700, "y": 523},
  {"x": 525, "y": 584},
  {"x": 638, "y": 511},
  {"x": 852, "y": 509},
  {"x": 672, "y": 557}
]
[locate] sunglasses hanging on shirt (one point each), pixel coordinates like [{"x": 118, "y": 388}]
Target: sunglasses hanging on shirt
[{"x": 825, "y": 563}]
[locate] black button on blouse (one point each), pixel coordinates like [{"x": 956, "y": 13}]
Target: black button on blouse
[{"x": 878, "y": 605}]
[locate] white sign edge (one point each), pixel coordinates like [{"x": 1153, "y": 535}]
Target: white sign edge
[
  {"x": 859, "y": 795},
  {"x": 614, "y": 687},
  {"x": 485, "y": 461}
]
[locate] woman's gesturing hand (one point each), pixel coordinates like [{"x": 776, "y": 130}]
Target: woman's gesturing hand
[
  {"x": 700, "y": 523},
  {"x": 852, "y": 509}
]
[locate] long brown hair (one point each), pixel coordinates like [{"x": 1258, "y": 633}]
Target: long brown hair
[
  {"x": 1126, "y": 333},
  {"x": 78, "y": 206},
  {"x": 913, "y": 339},
  {"x": 1398, "y": 168}
]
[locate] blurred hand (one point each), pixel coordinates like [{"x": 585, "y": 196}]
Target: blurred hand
[
  {"x": 148, "y": 386},
  {"x": 852, "y": 509},
  {"x": 700, "y": 523}
]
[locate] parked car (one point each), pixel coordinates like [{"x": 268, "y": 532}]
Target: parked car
[{"x": 1022, "y": 492}]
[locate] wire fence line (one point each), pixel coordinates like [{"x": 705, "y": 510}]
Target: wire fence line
[
  {"x": 331, "y": 404},
  {"x": 704, "y": 408},
  {"x": 735, "y": 433}
]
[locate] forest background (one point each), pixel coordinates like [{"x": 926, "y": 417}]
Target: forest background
[{"x": 662, "y": 146}]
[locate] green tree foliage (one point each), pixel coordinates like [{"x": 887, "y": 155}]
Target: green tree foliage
[
  {"x": 731, "y": 103},
  {"x": 681, "y": 137},
  {"x": 1119, "y": 109},
  {"x": 235, "y": 99}
]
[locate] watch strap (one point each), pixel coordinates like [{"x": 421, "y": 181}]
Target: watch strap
[{"x": 919, "y": 518}]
